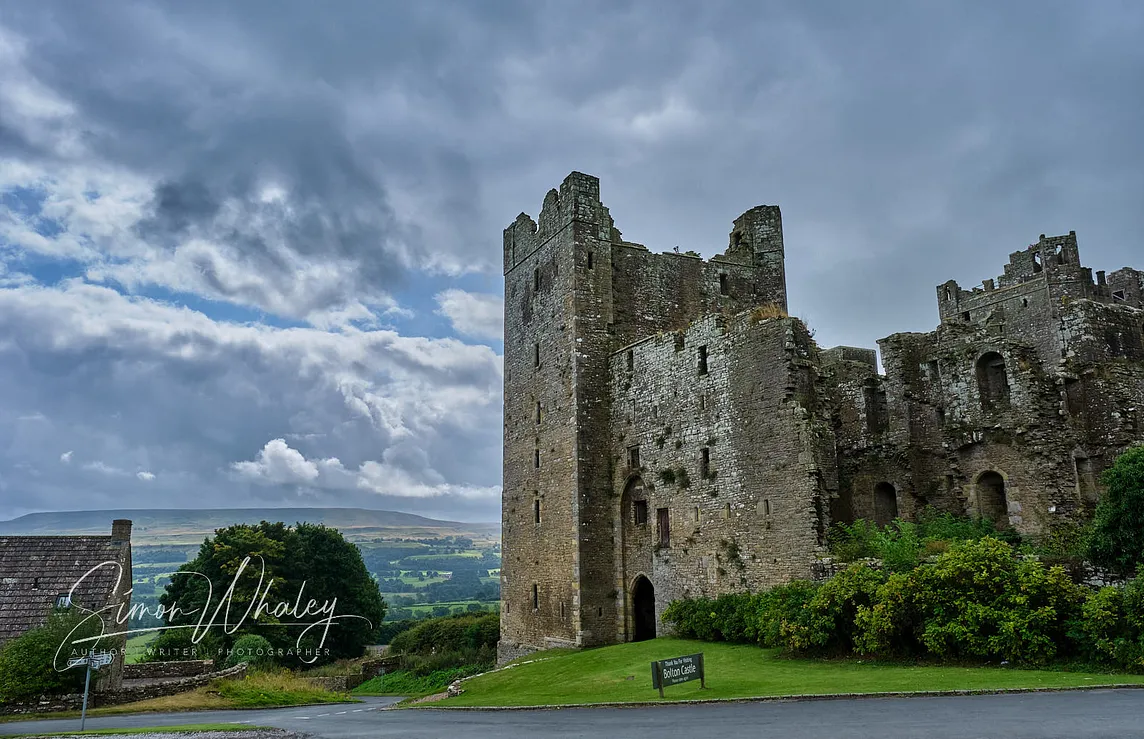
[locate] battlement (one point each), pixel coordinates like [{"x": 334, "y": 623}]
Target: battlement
[{"x": 578, "y": 199}]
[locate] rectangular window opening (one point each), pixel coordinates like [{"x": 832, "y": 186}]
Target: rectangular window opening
[
  {"x": 589, "y": 260},
  {"x": 727, "y": 510},
  {"x": 538, "y": 411},
  {"x": 696, "y": 514},
  {"x": 965, "y": 316},
  {"x": 536, "y": 279},
  {"x": 640, "y": 508},
  {"x": 705, "y": 462},
  {"x": 703, "y": 360},
  {"x": 663, "y": 523},
  {"x": 562, "y": 612},
  {"x": 723, "y": 284},
  {"x": 536, "y": 511},
  {"x": 631, "y": 360},
  {"x": 766, "y": 507},
  {"x": 535, "y": 597},
  {"x": 536, "y": 458},
  {"x": 634, "y": 457},
  {"x": 536, "y": 355}
]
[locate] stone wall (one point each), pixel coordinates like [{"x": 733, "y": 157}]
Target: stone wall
[
  {"x": 732, "y": 457},
  {"x": 178, "y": 668},
  {"x": 125, "y": 695}
]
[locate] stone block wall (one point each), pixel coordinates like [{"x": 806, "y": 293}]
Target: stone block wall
[{"x": 723, "y": 420}]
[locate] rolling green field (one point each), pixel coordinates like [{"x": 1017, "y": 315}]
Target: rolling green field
[{"x": 622, "y": 673}]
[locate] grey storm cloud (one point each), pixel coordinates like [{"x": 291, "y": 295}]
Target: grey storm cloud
[{"x": 340, "y": 164}]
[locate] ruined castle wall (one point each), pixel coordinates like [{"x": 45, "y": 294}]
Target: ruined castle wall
[{"x": 755, "y": 513}]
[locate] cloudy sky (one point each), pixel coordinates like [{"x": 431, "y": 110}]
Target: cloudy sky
[{"x": 250, "y": 251}]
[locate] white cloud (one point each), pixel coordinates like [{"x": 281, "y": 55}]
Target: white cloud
[
  {"x": 371, "y": 415},
  {"x": 473, "y": 314}
]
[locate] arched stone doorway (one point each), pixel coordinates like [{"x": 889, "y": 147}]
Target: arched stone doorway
[
  {"x": 992, "y": 503},
  {"x": 643, "y": 609},
  {"x": 885, "y": 504}
]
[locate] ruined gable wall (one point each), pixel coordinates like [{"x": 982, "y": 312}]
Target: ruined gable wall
[{"x": 770, "y": 458}]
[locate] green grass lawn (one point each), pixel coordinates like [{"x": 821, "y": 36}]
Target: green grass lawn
[
  {"x": 137, "y": 646},
  {"x": 622, "y": 673}
]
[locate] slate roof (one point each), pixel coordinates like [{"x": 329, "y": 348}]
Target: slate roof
[{"x": 34, "y": 570}]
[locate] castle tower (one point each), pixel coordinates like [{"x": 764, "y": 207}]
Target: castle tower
[{"x": 575, "y": 292}]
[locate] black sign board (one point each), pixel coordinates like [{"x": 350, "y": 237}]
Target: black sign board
[{"x": 678, "y": 670}]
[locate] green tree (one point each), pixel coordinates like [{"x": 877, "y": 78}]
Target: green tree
[
  {"x": 35, "y": 663},
  {"x": 1117, "y": 538},
  {"x": 304, "y": 568}
]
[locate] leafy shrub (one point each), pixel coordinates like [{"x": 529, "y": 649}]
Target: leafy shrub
[
  {"x": 852, "y": 541},
  {"x": 1117, "y": 538},
  {"x": 732, "y": 617},
  {"x": 1112, "y": 626},
  {"x": 450, "y": 641},
  {"x": 898, "y": 547},
  {"x": 826, "y": 622},
  {"x": 35, "y": 663},
  {"x": 978, "y": 601},
  {"x": 939, "y": 526},
  {"x": 254, "y": 650},
  {"x": 780, "y": 608}
]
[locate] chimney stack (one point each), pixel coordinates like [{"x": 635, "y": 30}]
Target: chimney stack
[{"x": 121, "y": 530}]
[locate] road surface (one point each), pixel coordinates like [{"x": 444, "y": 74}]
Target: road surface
[{"x": 1106, "y": 714}]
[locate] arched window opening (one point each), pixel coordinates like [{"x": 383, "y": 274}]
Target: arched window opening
[
  {"x": 885, "y": 504},
  {"x": 992, "y": 381},
  {"x": 992, "y": 505}
]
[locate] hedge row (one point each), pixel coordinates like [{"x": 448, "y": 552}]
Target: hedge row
[
  {"x": 977, "y": 602},
  {"x": 448, "y": 642}
]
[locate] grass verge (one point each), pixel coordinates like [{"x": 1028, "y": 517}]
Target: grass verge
[
  {"x": 622, "y": 673},
  {"x": 180, "y": 729},
  {"x": 257, "y": 690},
  {"x": 409, "y": 685}
]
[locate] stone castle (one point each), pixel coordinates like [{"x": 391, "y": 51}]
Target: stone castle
[{"x": 670, "y": 431}]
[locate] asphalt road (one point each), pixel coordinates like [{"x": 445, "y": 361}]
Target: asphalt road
[{"x": 1072, "y": 715}]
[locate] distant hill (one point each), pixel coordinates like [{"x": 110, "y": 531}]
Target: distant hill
[{"x": 179, "y": 526}]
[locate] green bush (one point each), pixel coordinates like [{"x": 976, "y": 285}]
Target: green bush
[
  {"x": 780, "y": 608},
  {"x": 447, "y": 642},
  {"x": 254, "y": 650},
  {"x": 826, "y": 623},
  {"x": 732, "y": 617},
  {"x": 35, "y": 663},
  {"x": 898, "y": 546},
  {"x": 978, "y": 602},
  {"x": 851, "y": 541},
  {"x": 1117, "y": 537},
  {"x": 1112, "y": 625}
]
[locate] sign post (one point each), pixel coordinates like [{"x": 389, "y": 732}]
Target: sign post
[
  {"x": 91, "y": 661},
  {"x": 678, "y": 670}
]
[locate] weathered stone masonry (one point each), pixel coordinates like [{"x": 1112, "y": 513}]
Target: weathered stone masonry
[{"x": 669, "y": 431}]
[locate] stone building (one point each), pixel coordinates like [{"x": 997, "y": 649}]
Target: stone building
[
  {"x": 39, "y": 573},
  {"x": 669, "y": 430}
]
